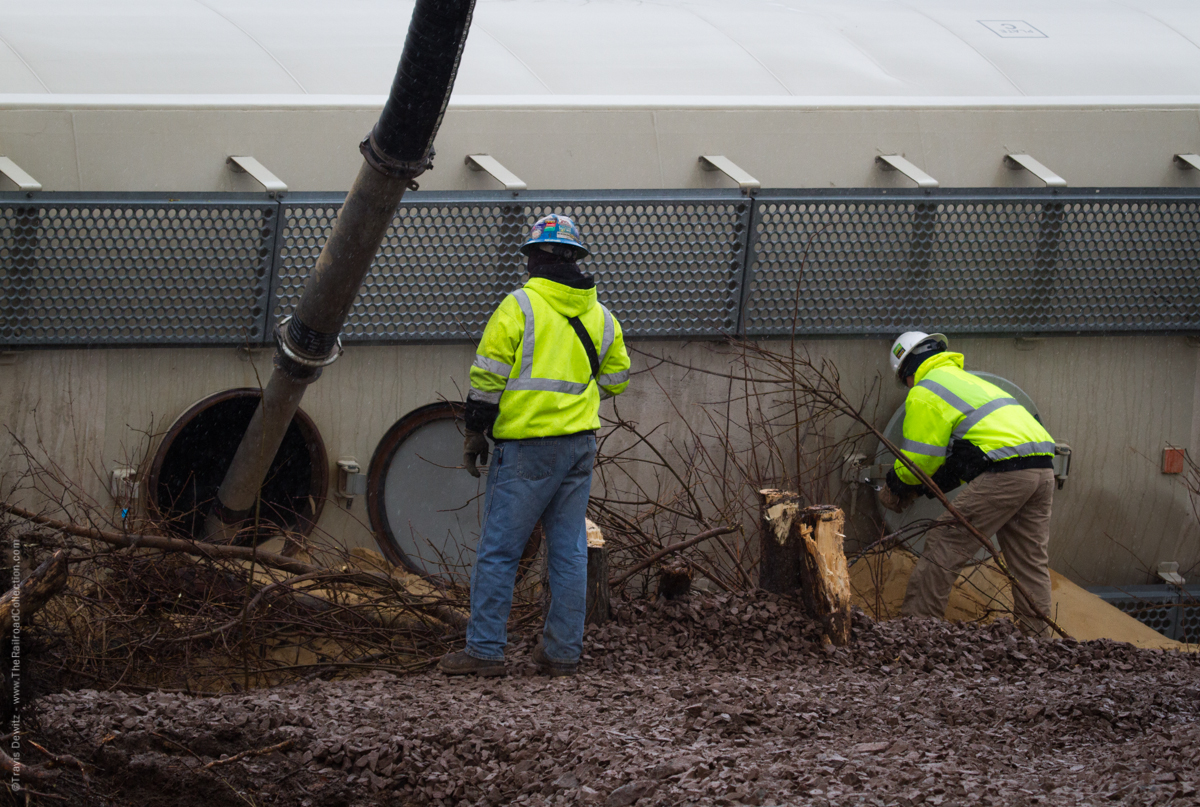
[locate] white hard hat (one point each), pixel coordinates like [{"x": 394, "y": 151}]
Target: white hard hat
[{"x": 907, "y": 342}]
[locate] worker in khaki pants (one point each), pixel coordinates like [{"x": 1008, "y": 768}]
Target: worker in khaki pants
[{"x": 958, "y": 429}]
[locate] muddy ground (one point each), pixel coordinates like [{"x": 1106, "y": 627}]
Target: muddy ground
[{"x": 715, "y": 700}]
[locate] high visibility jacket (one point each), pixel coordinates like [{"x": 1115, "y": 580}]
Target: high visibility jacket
[
  {"x": 947, "y": 404},
  {"x": 532, "y": 363}
]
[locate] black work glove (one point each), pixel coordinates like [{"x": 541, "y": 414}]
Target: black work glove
[
  {"x": 896, "y": 495},
  {"x": 475, "y": 445},
  {"x": 897, "y": 503}
]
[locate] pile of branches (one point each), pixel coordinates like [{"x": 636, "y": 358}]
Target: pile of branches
[{"x": 155, "y": 611}]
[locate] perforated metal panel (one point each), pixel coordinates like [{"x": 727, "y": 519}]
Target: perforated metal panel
[
  {"x": 1173, "y": 613},
  {"x": 665, "y": 266},
  {"x": 668, "y": 267},
  {"x": 1189, "y": 617},
  {"x": 86, "y": 270},
  {"x": 151, "y": 269},
  {"x": 974, "y": 262},
  {"x": 440, "y": 271}
]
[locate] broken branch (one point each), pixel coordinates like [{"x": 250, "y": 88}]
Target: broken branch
[
  {"x": 34, "y": 591},
  {"x": 673, "y": 548},
  {"x": 256, "y": 752}
]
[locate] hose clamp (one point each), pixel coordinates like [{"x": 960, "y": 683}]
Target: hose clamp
[
  {"x": 281, "y": 341},
  {"x": 390, "y": 166}
]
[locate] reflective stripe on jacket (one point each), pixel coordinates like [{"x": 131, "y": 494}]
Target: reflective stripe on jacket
[
  {"x": 530, "y": 361},
  {"x": 948, "y": 403}
]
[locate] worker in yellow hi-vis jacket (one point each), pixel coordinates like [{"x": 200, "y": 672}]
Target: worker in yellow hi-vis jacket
[
  {"x": 548, "y": 355},
  {"x": 959, "y": 429}
]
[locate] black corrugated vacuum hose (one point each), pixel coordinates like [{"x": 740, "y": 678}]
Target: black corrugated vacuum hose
[
  {"x": 397, "y": 150},
  {"x": 421, "y": 89}
]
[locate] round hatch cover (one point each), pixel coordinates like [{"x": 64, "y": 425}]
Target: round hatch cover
[{"x": 425, "y": 508}]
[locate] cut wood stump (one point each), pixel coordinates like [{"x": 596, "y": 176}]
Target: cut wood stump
[
  {"x": 599, "y": 596},
  {"x": 802, "y": 549},
  {"x": 674, "y": 578},
  {"x": 598, "y": 608}
]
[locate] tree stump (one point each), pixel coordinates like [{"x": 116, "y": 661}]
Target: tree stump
[
  {"x": 674, "y": 578},
  {"x": 802, "y": 549},
  {"x": 779, "y": 555},
  {"x": 598, "y": 594},
  {"x": 598, "y": 606}
]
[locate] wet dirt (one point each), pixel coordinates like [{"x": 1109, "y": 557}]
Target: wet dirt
[{"x": 707, "y": 700}]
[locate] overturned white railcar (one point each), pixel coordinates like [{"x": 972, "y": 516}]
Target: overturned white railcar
[{"x": 1019, "y": 176}]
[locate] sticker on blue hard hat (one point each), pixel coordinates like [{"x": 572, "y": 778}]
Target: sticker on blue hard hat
[{"x": 554, "y": 229}]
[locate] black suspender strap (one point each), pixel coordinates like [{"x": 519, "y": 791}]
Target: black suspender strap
[{"x": 589, "y": 348}]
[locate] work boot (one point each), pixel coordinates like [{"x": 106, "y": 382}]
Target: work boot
[
  {"x": 461, "y": 663},
  {"x": 554, "y": 669}
]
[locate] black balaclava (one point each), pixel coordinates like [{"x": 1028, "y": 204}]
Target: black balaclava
[
  {"x": 558, "y": 264},
  {"x": 913, "y": 360}
]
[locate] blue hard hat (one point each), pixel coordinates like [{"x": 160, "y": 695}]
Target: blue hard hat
[{"x": 554, "y": 229}]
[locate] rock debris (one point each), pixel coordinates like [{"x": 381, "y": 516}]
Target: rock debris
[{"x": 705, "y": 700}]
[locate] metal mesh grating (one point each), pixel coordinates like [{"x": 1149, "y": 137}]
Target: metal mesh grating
[
  {"x": 1189, "y": 617},
  {"x": 1157, "y": 615},
  {"x": 150, "y": 269},
  {"x": 1166, "y": 609},
  {"x": 974, "y": 263},
  {"x": 666, "y": 267},
  {"x": 438, "y": 274},
  {"x": 79, "y": 271}
]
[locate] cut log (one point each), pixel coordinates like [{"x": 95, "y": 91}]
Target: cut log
[
  {"x": 599, "y": 595},
  {"x": 35, "y": 590},
  {"x": 802, "y": 549},
  {"x": 599, "y": 608},
  {"x": 824, "y": 573}
]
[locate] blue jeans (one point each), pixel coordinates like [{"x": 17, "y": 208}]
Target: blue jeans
[{"x": 550, "y": 479}]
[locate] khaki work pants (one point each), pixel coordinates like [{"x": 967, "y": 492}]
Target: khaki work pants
[{"x": 1015, "y": 506}]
